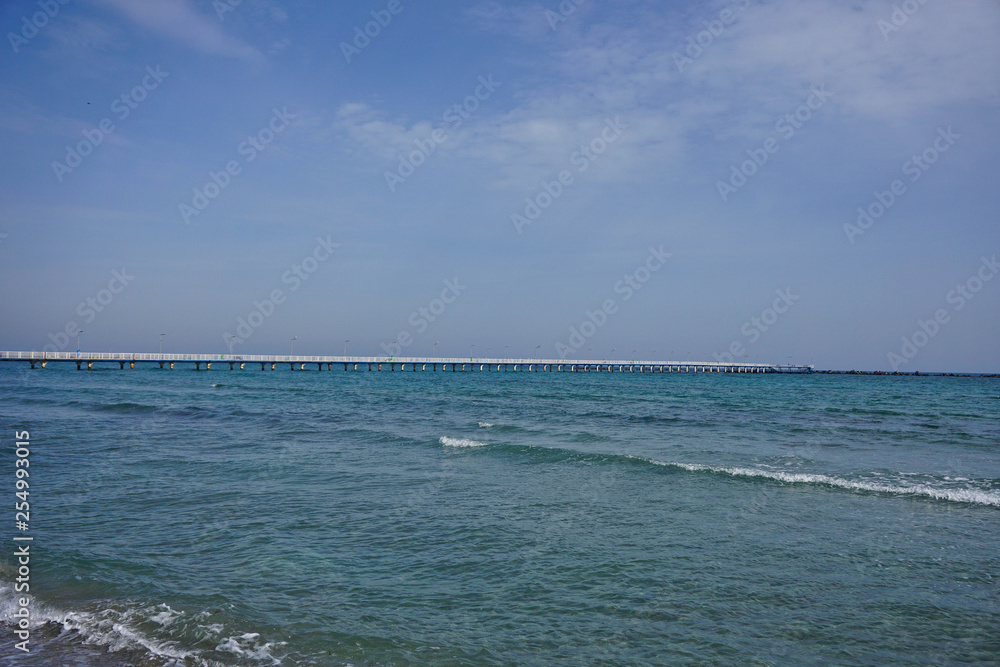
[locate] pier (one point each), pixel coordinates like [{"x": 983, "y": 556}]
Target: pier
[{"x": 88, "y": 360}]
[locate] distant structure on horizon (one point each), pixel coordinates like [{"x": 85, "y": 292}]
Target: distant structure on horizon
[{"x": 448, "y": 364}]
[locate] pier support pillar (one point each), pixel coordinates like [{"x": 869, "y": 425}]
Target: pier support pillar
[
  {"x": 32, "y": 362},
  {"x": 121, "y": 365},
  {"x": 208, "y": 365},
  {"x": 78, "y": 366},
  {"x": 242, "y": 365},
  {"x": 43, "y": 364},
  {"x": 171, "y": 365},
  {"x": 263, "y": 366},
  {"x": 197, "y": 365},
  {"x": 90, "y": 365},
  {"x": 273, "y": 365},
  {"x": 161, "y": 364},
  {"x": 232, "y": 364}
]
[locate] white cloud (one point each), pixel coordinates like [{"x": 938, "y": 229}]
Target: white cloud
[
  {"x": 177, "y": 19},
  {"x": 761, "y": 66}
]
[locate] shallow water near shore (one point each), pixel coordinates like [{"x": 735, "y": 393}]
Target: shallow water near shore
[{"x": 260, "y": 518}]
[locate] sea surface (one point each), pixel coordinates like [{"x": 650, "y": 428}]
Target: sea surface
[{"x": 332, "y": 518}]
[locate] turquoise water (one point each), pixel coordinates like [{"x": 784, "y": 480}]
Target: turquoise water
[{"x": 259, "y": 518}]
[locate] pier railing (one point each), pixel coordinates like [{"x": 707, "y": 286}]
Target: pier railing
[{"x": 378, "y": 362}]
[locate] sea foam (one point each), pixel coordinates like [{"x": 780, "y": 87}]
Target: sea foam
[
  {"x": 959, "y": 495},
  {"x": 460, "y": 442}
]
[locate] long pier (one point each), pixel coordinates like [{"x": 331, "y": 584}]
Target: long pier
[{"x": 446, "y": 364}]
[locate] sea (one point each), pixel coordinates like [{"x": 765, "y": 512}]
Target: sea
[{"x": 183, "y": 517}]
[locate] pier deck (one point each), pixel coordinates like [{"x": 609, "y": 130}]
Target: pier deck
[{"x": 447, "y": 364}]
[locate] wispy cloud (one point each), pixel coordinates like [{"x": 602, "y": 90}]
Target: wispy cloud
[
  {"x": 762, "y": 65},
  {"x": 179, "y": 20}
]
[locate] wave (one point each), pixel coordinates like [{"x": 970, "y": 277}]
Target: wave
[
  {"x": 126, "y": 407},
  {"x": 155, "y": 632},
  {"x": 461, "y": 442},
  {"x": 966, "y": 494},
  {"x": 486, "y": 425}
]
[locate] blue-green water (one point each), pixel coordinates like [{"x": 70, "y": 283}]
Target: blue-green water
[{"x": 257, "y": 518}]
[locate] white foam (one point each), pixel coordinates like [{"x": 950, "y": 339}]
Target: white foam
[
  {"x": 116, "y": 630},
  {"x": 973, "y": 496},
  {"x": 460, "y": 442},
  {"x": 249, "y": 645},
  {"x": 486, "y": 425},
  {"x": 167, "y": 616}
]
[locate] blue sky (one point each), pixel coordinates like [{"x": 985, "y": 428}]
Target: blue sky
[{"x": 570, "y": 178}]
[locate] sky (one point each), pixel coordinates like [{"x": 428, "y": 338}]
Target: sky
[{"x": 782, "y": 181}]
